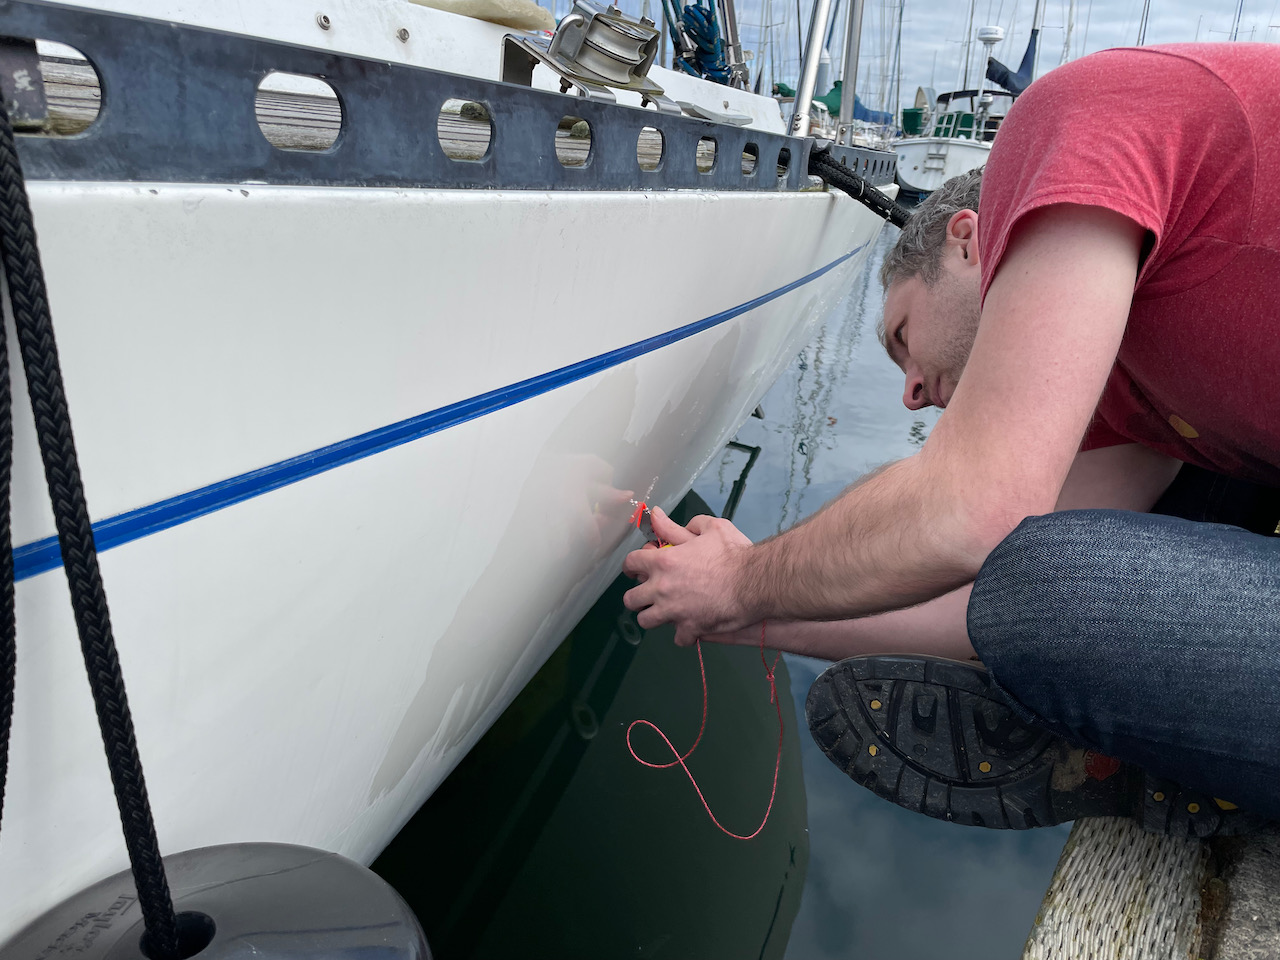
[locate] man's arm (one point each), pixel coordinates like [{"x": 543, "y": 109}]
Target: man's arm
[
  {"x": 1050, "y": 330},
  {"x": 1126, "y": 477}
]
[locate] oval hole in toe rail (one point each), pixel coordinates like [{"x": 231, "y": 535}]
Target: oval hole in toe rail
[
  {"x": 298, "y": 112},
  {"x": 573, "y": 142},
  {"x": 705, "y": 157},
  {"x": 54, "y": 90},
  {"x": 465, "y": 130},
  {"x": 649, "y": 149}
]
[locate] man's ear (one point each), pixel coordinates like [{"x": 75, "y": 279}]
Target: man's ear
[{"x": 962, "y": 232}]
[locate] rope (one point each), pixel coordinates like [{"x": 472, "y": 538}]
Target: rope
[
  {"x": 21, "y": 262},
  {"x": 823, "y": 165},
  {"x": 8, "y": 630},
  {"x": 700, "y": 48},
  {"x": 1121, "y": 892}
]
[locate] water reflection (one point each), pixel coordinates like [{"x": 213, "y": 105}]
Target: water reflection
[
  {"x": 550, "y": 841},
  {"x": 884, "y": 882}
]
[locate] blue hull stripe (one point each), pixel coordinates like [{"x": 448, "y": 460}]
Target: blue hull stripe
[{"x": 39, "y": 556}]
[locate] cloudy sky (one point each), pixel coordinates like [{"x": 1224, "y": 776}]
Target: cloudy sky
[{"x": 933, "y": 32}]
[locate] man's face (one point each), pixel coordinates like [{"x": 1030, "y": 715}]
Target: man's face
[{"x": 929, "y": 331}]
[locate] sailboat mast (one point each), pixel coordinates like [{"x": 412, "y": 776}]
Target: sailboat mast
[
  {"x": 799, "y": 41},
  {"x": 896, "y": 103},
  {"x": 662, "y": 39},
  {"x": 849, "y": 70},
  {"x": 762, "y": 43},
  {"x": 739, "y": 73},
  {"x": 1066, "y": 40},
  {"x": 800, "y": 118},
  {"x": 968, "y": 45},
  {"x": 962, "y": 75},
  {"x": 1037, "y": 21},
  {"x": 831, "y": 28},
  {"x": 1142, "y": 23}
]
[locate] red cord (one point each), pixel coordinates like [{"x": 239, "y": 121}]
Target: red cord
[{"x": 681, "y": 758}]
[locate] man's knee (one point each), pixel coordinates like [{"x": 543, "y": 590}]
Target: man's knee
[
  {"x": 1038, "y": 603},
  {"x": 1059, "y": 589},
  {"x": 1073, "y": 607},
  {"x": 1078, "y": 572},
  {"x": 1046, "y": 568}
]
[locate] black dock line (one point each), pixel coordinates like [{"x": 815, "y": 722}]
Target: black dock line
[
  {"x": 27, "y": 293},
  {"x": 822, "y": 164}
]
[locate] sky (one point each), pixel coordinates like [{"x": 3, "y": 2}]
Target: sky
[{"x": 933, "y": 31}]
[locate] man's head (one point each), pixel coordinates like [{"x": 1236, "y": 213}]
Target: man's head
[{"x": 932, "y": 283}]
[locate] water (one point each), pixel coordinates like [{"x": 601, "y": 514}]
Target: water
[{"x": 549, "y": 840}]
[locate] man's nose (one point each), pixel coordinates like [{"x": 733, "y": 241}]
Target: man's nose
[{"x": 913, "y": 396}]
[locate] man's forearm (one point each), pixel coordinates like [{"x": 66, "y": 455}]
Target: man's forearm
[
  {"x": 1127, "y": 477},
  {"x": 936, "y": 628},
  {"x": 895, "y": 539}
]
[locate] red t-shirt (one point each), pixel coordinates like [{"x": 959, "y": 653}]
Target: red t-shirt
[{"x": 1184, "y": 140}]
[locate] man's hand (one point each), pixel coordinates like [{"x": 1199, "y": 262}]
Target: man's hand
[{"x": 692, "y": 583}]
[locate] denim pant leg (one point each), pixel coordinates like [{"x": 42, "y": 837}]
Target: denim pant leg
[{"x": 1150, "y": 638}]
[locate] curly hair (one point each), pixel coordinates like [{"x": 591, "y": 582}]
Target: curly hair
[{"x": 918, "y": 251}]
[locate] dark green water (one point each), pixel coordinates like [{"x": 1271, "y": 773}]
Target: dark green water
[{"x": 549, "y": 840}]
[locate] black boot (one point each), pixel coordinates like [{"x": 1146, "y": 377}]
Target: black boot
[{"x": 933, "y": 736}]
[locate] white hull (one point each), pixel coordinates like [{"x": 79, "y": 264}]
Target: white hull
[
  {"x": 315, "y": 628},
  {"x": 306, "y": 665},
  {"x": 926, "y": 163}
]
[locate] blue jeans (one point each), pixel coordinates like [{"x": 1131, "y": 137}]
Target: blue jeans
[{"x": 1153, "y": 639}]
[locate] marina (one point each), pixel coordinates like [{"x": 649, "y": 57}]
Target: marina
[{"x": 383, "y": 328}]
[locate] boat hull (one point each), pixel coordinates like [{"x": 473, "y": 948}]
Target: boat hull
[
  {"x": 926, "y": 163},
  {"x": 359, "y": 459}
]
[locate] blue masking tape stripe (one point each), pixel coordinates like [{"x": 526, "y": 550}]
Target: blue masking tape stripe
[{"x": 39, "y": 556}]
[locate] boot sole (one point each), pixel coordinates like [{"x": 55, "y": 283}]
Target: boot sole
[{"x": 930, "y": 735}]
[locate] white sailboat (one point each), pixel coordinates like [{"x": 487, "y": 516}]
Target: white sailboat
[
  {"x": 959, "y": 141},
  {"x": 951, "y": 133},
  {"x": 360, "y": 426}
]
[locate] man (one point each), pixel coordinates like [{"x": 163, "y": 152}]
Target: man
[{"x": 1112, "y": 305}]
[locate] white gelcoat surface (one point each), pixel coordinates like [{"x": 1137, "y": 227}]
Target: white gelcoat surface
[{"x": 306, "y": 666}]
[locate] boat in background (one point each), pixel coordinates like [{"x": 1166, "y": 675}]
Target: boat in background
[
  {"x": 951, "y": 133},
  {"x": 371, "y": 336}
]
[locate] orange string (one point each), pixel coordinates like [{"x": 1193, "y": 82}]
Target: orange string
[
  {"x": 680, "y": 758},
  {"x": 638, "y": 513}
]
